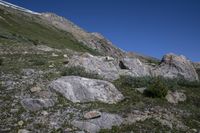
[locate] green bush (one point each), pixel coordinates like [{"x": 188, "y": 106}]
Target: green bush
[
  {"x": 79, "y": 71},
  {"x": 157, "y": 89}
]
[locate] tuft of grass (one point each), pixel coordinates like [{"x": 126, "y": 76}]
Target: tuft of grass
[
  {"x": 149, "y": 125},
  {"x": 79, "y": 71}
]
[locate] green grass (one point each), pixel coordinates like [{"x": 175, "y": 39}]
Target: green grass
[
  {"x": 27, "y": 29},
  {"x": 147, "y": 126},
  {"x": 79, "y": 71}
]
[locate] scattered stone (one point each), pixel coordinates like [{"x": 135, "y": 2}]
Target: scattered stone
[
  {"x": 20, "y": 123},
  {"x": 45, "y": 48},
  {"x": 106, "y": 121},
  {"x": 14, "y": 110},
  {"x": 51, "y": 66},
  {"x": 44, "y": 113},
  {"x": 92, "y": 115},
  {"x": 108, "y": 58},
  {"x": 79, "y": 89},
  {"x": 65, "y": 55},
  {"x": 141, "y": 90},
  {"x": 36, "y": 104},
  {"x": 23, "y": 131},
  {"x": 36, "y": 89},
  {"x": 54, "y": 55},
  {"x": 175, "y": 97},
  {"x": 28, "y": 72}
]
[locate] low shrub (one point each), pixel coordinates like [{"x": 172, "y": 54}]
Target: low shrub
[
  {"x": 157, "y": 89},
  {"x": 79, "y": 71},
  {"x": 134, "y": 82},
  {"x": 38, "y": 62},
  {"x": 189, "y": 84}
]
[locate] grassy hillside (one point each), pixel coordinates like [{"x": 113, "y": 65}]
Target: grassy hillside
[{"x": 23, "y": 28}]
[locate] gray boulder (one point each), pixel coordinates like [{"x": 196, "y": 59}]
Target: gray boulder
[
  {"x": 173, "y": 66},
  {"x": 106, "y": 121},
  {"x": 133, "y": 67},
  {"x": 36, "y": 104},
  {"x": 79, "y": 89},
  {"x": 108, "y": 69}
]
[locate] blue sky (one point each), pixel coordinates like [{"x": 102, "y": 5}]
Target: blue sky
[{"x": 150, "y": 27}]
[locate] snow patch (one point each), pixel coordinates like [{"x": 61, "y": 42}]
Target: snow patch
[{"x": 4, "y": 3}]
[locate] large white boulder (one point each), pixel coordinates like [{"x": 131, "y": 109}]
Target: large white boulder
[
  {"x": 79, "y": 89},
  {"x": 174, "y": 66}
]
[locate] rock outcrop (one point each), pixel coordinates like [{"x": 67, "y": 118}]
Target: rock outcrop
[
  {"x": 110, "y": 69},
  {"x": 173, "y": 66},
  {"x": 106, "y": 121},
  {"x": 79, "y": 89},
  {"x": 93, "y": 40}
]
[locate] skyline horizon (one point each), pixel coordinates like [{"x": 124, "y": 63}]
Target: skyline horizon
[{"x": 190, "y": 53}]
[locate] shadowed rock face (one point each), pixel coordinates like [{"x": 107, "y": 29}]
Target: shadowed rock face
[
  {"x": 78, "y": 89},
  {"x": 173, "y": 66}
]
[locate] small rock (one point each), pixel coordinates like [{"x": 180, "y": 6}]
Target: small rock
[
  {"x": 141, "y": 90},
  {"x": 54, "y": 55},
  {"x": 92, "y": 115},
  {"x": 44, "y": 113},
  {"x": 36, "y": 104},
  {"x": 175, "y": 97},
  {"x": 51, "y": 66},
  {"x": 20, "y": 123},
  {"x": 23, "y": 131},
  {"x": 108, "y": 58},
  {"x": 14, "y": 110},
  {"x": 65, "y": 55},
  {"x": 36, "y": 89}
]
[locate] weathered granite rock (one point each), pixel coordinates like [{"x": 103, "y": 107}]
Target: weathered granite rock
[
  {"x": 36, "y": 104},
  {"x": 79, "y": 89},
  {"x": 96, "y": 64},
  {"x": 106, "y": 121},
  {"x": 175, "y": 97},
  {"x": 110, "y": 68},
  {"x": 174, "y": 66},
  {"x": 135, "y": 67}
]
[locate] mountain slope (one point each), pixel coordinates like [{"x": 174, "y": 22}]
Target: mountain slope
[
  {"x": 56, "y": 77},
  {"x": 29, "y": 28}
]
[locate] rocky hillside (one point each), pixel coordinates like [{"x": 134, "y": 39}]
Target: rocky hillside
[{"x": 56, "y": 77}]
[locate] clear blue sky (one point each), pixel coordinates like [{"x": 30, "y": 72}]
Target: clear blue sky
[{"x": 150, "y": 27}]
